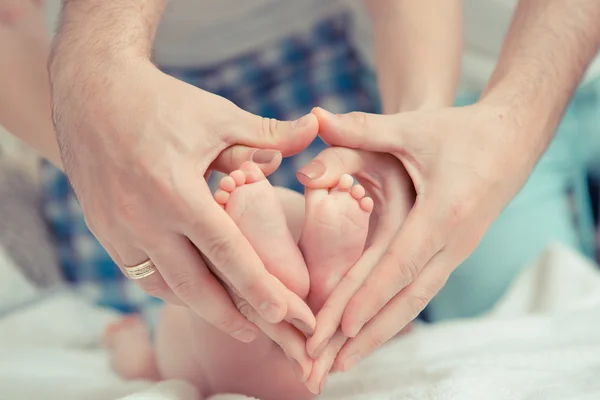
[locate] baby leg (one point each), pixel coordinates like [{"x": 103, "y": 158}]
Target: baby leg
[
  {"x": 259, "y": 369},
  {"x": 189, "y": 348}
]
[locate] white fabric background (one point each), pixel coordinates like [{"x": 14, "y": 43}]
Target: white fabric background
[{"x": 541, "y": 342}]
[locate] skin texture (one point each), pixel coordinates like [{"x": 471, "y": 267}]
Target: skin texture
[
  {"x": 547, "y": 49},
  {"x": 417, "y": 53},
  {"x": 333, "y": 228},
  {"x": 465, "y": 164},
  {"x": 137, "y": 145},
  {"x": 25, "y": 99},
  {"x": 417, "y": 47},
  {"x": 26, "y": 111}
]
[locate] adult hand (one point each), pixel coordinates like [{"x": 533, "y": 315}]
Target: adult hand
[
  {"x": 13, "y": 10},
  {"x": 386, "y": 181},
  {"x": 137, "y": 146},
  {"x": 465, "y": 164}
]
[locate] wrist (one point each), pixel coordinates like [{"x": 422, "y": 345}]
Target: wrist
[{"x": 525, "y": 124}]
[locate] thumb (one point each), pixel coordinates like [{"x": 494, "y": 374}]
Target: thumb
[
  {"x": 233, "y": 157},
  {"x": 358, "y": 130},
  {"x": 289, "y": 137},
  {"x": 326, "y": 168}
]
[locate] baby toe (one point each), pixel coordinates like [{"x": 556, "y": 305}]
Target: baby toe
[
  {"x": 239, "y": 177},
  {"x": 252, "y": 172},
  {"x": 345, "y": 183},
  {"x": 227, "y": 184},
  {"x": 366, "y": 203},
  {"x": 221, "y": 196},
  {"x": 358, "y": 192}
]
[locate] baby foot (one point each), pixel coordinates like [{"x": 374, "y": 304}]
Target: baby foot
[
  {"x": 130, "y": 347},
  {"x": 252, "y": 203},
  {"x": 334, "y": 235}
]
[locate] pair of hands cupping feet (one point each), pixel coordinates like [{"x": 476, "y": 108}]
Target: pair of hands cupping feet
[{"x": 339, "y": 221}]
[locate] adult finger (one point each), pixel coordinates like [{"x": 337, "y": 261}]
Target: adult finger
[
  {"x": 289, "y": 137},
  {"x": 154, "y": 285},
  {"x": 330, "y": 315},
  {"x": 220, "y": 240},
  {"x": 322, "y": 365},
  {"x": 397, "y": 313},
  {"x": 360, "y": 130},
  {"x": 184, "y": 270},
  {"x": 233, "y": 157},
  {"x": 291, "y": 341},
  {"x": 417, "y": 241},
  {"x": 326, "y": 168}
]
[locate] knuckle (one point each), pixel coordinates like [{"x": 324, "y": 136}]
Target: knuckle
[
  {"x": 221, "y": 249},
  {"x": 354, "y": 279},
  {"x": 269, "y": 126},
  {"x": 406, "y": 271},
  {"x": 418, "y": 301},
  {"x": 154, "y": 287},
  {"x": 227, "y": 322},
  {"x": 186, "y": 287},
  {"x": 374, "y": 341},
  {"x": 245, "y": 309}
]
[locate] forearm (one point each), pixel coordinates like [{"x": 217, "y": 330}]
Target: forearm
[
  {"x": 417, "y": 52},
  {"x": 25, "y": 107},
  {"x": 548, "y": 47},
  {"x": 103, "y": 33}
]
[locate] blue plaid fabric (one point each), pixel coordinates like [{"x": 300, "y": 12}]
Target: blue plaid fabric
[{"x": 282, "y": 81}]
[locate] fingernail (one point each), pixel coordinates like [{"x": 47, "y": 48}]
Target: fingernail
[
  {"x": 297, "y": 369},
  {"x": 313, "y": 170},
  {"x": 302, "y": 326},
  {"x": 353, "y": 332},
  {"x": 321, "y": 347},
  {"x": 322, "y": 385},
  {"x": 271, "y": 312},
  {"x": 351, "y": 362},
  {"x": 245, "y": 335},
  {"x": 264, "y": 156},
  {"x": 301, "y": 122}
]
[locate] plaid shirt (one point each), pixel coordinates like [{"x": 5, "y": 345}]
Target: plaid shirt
[{"x": 282, "y": 81}]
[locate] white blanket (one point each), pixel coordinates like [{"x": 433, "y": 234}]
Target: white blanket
[{"x": 542, "y": 341}]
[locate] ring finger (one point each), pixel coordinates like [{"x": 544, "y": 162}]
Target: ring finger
[
  {"x": 186, "y": 273},
  {"x": 153, "y": 284}
]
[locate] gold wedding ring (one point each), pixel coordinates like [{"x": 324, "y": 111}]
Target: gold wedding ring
[{"x": 142, "y": 270}]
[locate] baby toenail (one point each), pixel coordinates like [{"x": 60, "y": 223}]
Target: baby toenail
[
  {"x": 264, "y": 156},
  {"x": 313, "y": 170},
  {"x": 322, "y": 385},
  {"x": 302, "y": 326}
]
